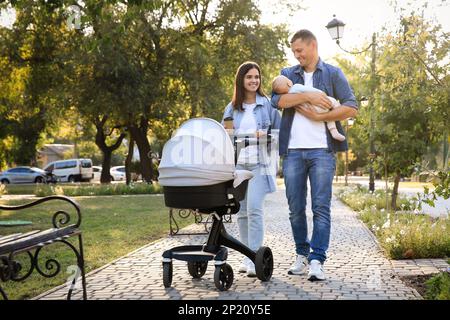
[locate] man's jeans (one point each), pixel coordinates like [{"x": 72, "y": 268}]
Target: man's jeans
[
  {"x": 250, "y": 217},
  {"x": 319, "y": 165}
]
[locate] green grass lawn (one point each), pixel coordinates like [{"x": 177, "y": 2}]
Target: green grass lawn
[{"x": 112, "y": 227}]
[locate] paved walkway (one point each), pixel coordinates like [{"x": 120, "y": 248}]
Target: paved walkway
[{"x": 356, "y": 268}]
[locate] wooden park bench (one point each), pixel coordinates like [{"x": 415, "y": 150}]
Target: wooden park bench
[{"x": 30, "y": 243}]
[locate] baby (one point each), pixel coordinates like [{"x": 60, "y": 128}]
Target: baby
[{"x": 282, "y": 84}]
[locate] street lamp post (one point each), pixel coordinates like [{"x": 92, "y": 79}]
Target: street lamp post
[
  {"x": 348, "y": 125},
  {"x": 336, "y": 29}
]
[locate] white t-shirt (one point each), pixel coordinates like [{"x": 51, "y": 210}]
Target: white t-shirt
[
  {"x": 248, "y": 125},
  {"x": 306, "y": 133}
]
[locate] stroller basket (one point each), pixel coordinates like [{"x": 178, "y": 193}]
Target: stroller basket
[{"x": 221, "y": 198}]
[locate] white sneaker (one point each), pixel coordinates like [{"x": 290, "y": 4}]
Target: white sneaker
[
  {"x": 299, "y": 266},
  {"x": 315, "y": 271},
  {"x": 251, "y": 272},
  {"x": 243, "y": 267}
]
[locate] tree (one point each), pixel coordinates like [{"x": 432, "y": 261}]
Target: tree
[
  {"x": 411, "y": 99},
  {"x": 412, "y": 96},
  {"x": 156, "y": 64},
  {"x": 30, "y": 55}
]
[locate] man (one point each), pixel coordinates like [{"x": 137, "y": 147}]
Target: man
[{"x": 308, "y": 150}]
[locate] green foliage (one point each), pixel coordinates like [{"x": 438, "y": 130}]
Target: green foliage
[
  {"x": 438, "y": 287},
  {"x": 409, "y": 236},
  {"x": 402, "y": 235},
  {"x": 148, "y": 65},
  {"x": 30, "y": 72},
  {"x": 2, "y": 190},
  {"x": 359, "y": 198},
  {"x": 410, "y": 103},
  {"x": 442, "y": 189}
]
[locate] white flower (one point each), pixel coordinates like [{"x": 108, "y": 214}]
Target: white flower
[
  {"x": 402, "y": 232},
  {"x": 387, "y": 224}
]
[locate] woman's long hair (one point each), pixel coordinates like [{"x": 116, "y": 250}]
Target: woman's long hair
[{"x": 239, "y": 90}]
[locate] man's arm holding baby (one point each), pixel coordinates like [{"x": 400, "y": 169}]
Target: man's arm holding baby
[
  {"x": 314, "y": 98},
  {"x": 299, "y": 94},
  {"x": 343, "y": 93},
  {"x": 288, "y": 100},
  {"x": 337, "y": 114}
]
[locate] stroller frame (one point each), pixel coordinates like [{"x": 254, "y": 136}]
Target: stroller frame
[
  {"x": 216, "y": 247},
  {"x": 197, "y": 257}
]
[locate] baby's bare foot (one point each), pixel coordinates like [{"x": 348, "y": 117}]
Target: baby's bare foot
[{"x": 336, "y": 135}]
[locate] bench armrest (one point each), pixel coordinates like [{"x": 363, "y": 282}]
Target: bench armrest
[{"x": 60, "y": 218}]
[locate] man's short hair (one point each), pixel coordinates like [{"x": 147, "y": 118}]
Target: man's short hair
[{"x": 304, "y": 35}]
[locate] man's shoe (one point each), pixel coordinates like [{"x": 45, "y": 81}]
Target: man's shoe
[
  {"x": 251, "y": 272},
  {"x": 299, "y": 266},
  {"x": 316, "y": 271}
]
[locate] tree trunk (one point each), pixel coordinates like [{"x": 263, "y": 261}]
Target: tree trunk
[
  {"x": 128, "y": 159},
  {"x": 100, "y": 141},
  {"x": 139, "y": 134},
  {"x": 395, "y": 191},
  {"x": 28, "y": 135},
  {"x": 105, "y": 177}
]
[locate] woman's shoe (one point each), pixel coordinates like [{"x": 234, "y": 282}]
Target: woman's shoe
[
  {"x": 251, "y": 272},
  {"x": 243, "y": 267}
]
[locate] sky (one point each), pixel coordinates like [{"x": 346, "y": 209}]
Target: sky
[{"x": 362, "y": 19}]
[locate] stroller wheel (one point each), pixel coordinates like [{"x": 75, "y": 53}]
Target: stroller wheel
[
  {"x": 264, "y": 263},
  {"x": 223, "y": 277},
  {"x": 167, "y": 274},
  {"x": 197, "y": 268}
]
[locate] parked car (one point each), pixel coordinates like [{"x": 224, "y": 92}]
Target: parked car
[
  {"x": 71, "y": 170},
  {"x": 25, "y": 175},
  {"x": 117, "y": 173},
  {"x": 97, "y": 172}
]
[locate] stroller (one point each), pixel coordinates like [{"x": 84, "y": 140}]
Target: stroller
[{"x": 197, "y": 171}]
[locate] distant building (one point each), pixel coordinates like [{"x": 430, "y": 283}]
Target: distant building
[{"x": 54, "y": 152}]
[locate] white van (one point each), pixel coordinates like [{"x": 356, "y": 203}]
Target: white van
[{"x": 71, "y": 170}]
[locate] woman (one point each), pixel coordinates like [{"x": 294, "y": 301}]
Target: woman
[{"x": 252, "y": 112}]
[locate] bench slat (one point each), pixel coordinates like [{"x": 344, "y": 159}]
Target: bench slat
[
  {"x": 35, "y": 238},
  {"x": 16, "y": 236}
]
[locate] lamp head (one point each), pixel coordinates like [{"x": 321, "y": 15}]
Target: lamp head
[{"x": 336, "y": 28}]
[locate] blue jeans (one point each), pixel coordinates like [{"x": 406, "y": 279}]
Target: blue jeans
[
  {"x": 319, "y": 165},
  {"x": 250, "y": 217}
]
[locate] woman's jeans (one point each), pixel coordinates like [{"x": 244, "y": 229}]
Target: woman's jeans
[
  {"x": 250, "y": 217},
  {"x": 319, "y": 165}
]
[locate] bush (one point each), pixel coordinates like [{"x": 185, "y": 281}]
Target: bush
[
  {"x": 98, "y": 189},
  {"x": 438, "y": 287},
  {"x": 409, "y": 236},
  {"x": 402, "y": 235},
  {"x": 359, "y": 198}
]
